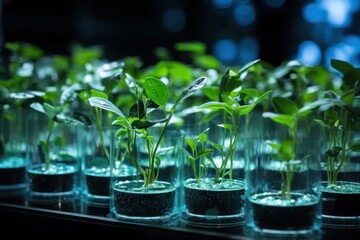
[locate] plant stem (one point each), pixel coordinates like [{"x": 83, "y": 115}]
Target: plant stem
[
  {"x": 47, "y": 144},
  {"x": 101, "y": 134},
  {"x": 151, "y": 180}
]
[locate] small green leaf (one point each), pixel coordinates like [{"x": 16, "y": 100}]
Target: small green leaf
[
  {"x": 194, "y": 47},
  {"x": 139, "y": 124},
  {"x": 348, "y": 97},
  {"x": 194, "y": 86},
  {"x": 191, "y": 143},
  {"x": 157, "y": 91},
  {"x": 211, "y": 92},
  {"x": 122, "y": 121},
  {"x": 38, "y": 107},
  {"x": 138, "y": 109},
  {"x": 341, "y": 66},
  {"x": 51, "y": 111},
  {"x": 287, "y": 120},
  {"x": 245, "y": 109},
  {"x": 4, "y": 94},
  {"x": 217, "y": 106},
  {"x": 96, "y": 93},
  {"x": 60, "y": 118},
  {"x": 204, "y": 152},
  {"x": 285, "y": 106},
  {"x": 105, "y": 104},
  {"x": 217, "y": 146},
  {"x": 247, "y": 66},
  {"x": 321, "y": 123},
  {"x": 351, "y": 78},
  {"x": 226, "y": 126},
  {"x": 229, "y": 82},
  {"x": 331, "y": 116}
]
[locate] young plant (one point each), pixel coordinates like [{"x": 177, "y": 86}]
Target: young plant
[
  {"x": 155, "y": 94},
  {"x": 287, "y": 114},
  {"x": 96, "y": 114},
  {"x": 198, "y": 152},
  {"x": 231, "y": 102},
  {"x": 341, "y": 118},
  {"x": 55, "y": 114}
]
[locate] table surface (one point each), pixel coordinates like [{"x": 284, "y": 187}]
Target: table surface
[{"x": 18, "y": 208}]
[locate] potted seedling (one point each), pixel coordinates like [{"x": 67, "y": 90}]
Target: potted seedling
[
  {"x": 282, "y": 173},
  {"x": 55, "y": 149},
  {"x": 13, "y": 127},
  {"x": 214, "y": 192},
  {"x": 131, "y": 198},
  {"x": 96, "y": 164},
  {"x": 341, "y": 118}
]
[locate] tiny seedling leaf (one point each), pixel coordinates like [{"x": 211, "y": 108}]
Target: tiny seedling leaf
[{"x": 105, "y": 104}]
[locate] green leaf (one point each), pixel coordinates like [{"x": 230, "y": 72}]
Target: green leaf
[
  {"x": 204, "y": 152},
  {"x": 138, "y": 109},
  {"x": 217, "y": 146},
  {"x": 203, "y": 136},
  {"x": 105, "y": 104},
  {"x": 226, "y": 126},
  {"x": 217, "y": 106},
  {"x": 245, "y": 109},
  {"x": 38, "y": 107},
  {"x": 247, "y": 66},
  {"x": 287, "y": 120},
  {"x": 140, "y": 124},
  {"x": 207, "y": 62},
  {"x": 341, "y": 66},
  {"x": 60, "y": 118},
  {"x": 194, "y": 47},
  {"x": 157, "y": 91},
  {"x": 273, "y": 145},
  {"x": 164, "y": 150},
  {"x": 321, "y": 123},
  {"x": 96, "y": 93},
  {"x": 122, "y": 121},
  {"x": 211, "y": 92},
  {"x": 350, "y": 78},
  {"x": 348, "y": 97},
  {"x": 51, "y": 111},
  {"x": 229, "y": 82},
  {"x": 84, "y": 95},
  {"x": 331, "y": 116},
  {"x": 286, "y": 150},
  {"x": 194, "y": 86},
  {"x": 4, "y": 94},
  {"x": 285, "y": 106},
  {"x": 191, "y": 143}
]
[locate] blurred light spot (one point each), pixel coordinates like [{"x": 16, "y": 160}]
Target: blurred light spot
[
  {"x": 174, "y": 20},
  {"x": 354, "y": 41},
  {"x": 313, "y": 13},
  {"x": 343, "y": 51},
  {"x": 275, "y": 3},
  {"x": 309, "y": 53},
  {"x": 338, "y": 12},
  {"x": 244, "y": 14},
  {"x": 222, "y": 3},
  {"x": 225, "y": 50},
  {"x": 248, "y": 50},
  {"x": 354, "y": 5}
]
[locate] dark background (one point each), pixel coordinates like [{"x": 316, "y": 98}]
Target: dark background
[{"x": 136, "y": 27}]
